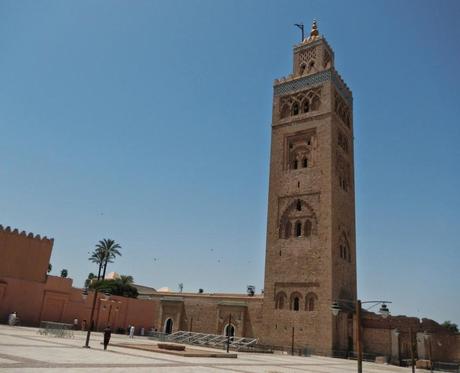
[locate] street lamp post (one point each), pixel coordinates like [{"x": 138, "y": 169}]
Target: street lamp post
[
  {"x": 228, "y": 332},
  {"x": 88, "y": 334},
  {"x": 398, "y": 348},
  {"x": 337, "y": 307},
  {"x": 412, "y": 357},
  {"x": 428, "y": 339}
]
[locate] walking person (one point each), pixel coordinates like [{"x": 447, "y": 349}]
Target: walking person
[
  {"x": 131, "y": 331},
  {"x": 12, "y": 318},
  {"x": 107, "y": 335}
]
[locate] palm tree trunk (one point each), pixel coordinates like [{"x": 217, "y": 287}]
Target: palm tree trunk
[
  {"x": 105, "y": 268},
  {"x": 99, "y": 272}
]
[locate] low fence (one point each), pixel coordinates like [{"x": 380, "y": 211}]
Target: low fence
[
  {"x": 446, "y": 367},
  {"x": 56, "y": 329}
]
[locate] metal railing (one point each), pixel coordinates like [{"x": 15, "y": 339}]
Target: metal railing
[
  {"x": 439, "y": 366},
  {"x": 56, "y": 329},
  {"x": 204, "y": 339}
]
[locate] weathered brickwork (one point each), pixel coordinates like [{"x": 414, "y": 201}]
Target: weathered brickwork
[{"x": 209, "y": 313}]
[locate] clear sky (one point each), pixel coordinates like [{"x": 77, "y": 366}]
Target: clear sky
[{"x": 149, "y": 122}]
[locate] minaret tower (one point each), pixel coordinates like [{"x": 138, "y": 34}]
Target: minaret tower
[{"x": 311, "y": 253}]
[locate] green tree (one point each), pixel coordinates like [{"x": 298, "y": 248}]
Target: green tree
[
  {"x": 64, "y": 273},
  {"x": 450, "y": 325},
  {"x": 121, "y": 286},
  {"x": 109, "y": 251}
]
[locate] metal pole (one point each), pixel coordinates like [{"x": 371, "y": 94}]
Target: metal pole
[
  {"x": 412, "y": 350},
  {"x": 228, "y": 332},
  {"x": 110, "y": 311},
  {"x": 292, "y": 342},
  {"x": 191, "y": 324},
  {"x": 91, "y": 319},
  {"x": 431, "y": 356},
  {"x": 359, "y": 346}
]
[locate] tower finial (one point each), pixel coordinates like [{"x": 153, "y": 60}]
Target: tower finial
[{"x": 314, "y": 30}]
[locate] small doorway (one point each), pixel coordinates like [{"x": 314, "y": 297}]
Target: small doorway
[
  {"x": 229, "y": 330},
  {"x": 168, "y": 326}
]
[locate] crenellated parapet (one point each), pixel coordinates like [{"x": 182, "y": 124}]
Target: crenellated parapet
[
  {"x": 30, "y": 235},
  {"x": 24, "y": 255}
]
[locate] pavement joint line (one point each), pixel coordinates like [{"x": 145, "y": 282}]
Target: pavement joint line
[
  {"x": 18, "y": 359},
  {"x": 231, "y": 369},
  {"x": 34, "y": 346}
]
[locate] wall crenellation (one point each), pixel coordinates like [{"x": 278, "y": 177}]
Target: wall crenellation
[{"x": 16, "y": 232}]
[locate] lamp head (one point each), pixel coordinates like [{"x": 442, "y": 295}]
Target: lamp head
[
  {"x": 384, "y": 311},
  {"x": 335, "y": 308}
]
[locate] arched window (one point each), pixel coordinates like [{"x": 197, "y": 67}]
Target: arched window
[
  {"x": 296, "y": 304},
  {"x": 315, "y": 103},
  {"x": 295, "y": 301},
  {"x": 299, "y": 205},
  {"x": 284, "y": 111},
  {"x": 307, "y": 228},
  {"x": 345, "y": 251},
  {"x": 305, "y": 163},
  {"x": 298, "y": 229},
  {"x": 306, "y": 106},
  {"x": 311, "y": 65},
  {"x": 280, "y": 300},
  {"x": 295, "y": 108},
  {"x": 302, "y": 68},
  {"x": 287, "y": 229},
  {"x": 310, "y": 301}
]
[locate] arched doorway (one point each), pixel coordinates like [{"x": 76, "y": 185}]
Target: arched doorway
[
  {"x": 229, "y": 330},
  {"x": 168, "y": 326}
]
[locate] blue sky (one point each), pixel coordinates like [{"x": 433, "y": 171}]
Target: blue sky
[{"x": 149, "y": 122}]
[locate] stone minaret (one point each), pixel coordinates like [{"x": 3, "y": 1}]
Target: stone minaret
[{"x": 311, "y": 253}]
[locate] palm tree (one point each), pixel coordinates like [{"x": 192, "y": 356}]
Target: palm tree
[
  {"x": 109, "y": 248},
  {"x": 98, "y": 257},
  {"x": 126, "y": 280}
]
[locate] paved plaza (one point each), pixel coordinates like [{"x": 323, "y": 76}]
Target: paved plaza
[{"x": 24, "y": 350}]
